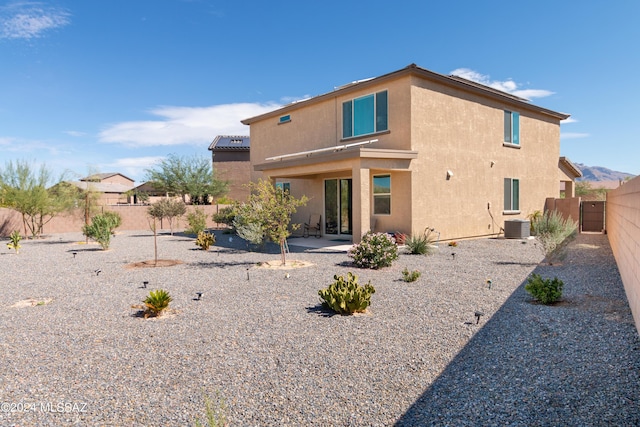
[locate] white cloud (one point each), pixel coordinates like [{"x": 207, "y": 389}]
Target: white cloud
[
  {"x": 508, "y": 86},
  {"x": 132, "y": 167},
  {"x": 185, "y": 125},
  {"x": 75, "y": 133},
  {"x": 569, "y": 120},
  {"x": 27, "y": 20},
  {"x": 573, "y": 135}
]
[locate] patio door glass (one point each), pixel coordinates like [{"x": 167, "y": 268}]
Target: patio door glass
[{"x": 338, "y": 206}]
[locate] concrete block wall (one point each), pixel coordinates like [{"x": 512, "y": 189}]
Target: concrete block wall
[
  {"x": 134, "y": 217},
  {"x": 623, "y": 229}
]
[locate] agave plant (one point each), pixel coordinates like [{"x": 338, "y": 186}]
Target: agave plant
[
  {"x": 14, "y": 241},
  {"x": 156, "y": 302}
]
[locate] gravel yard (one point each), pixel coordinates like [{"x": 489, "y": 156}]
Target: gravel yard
[{"x": 262, "y": 341}]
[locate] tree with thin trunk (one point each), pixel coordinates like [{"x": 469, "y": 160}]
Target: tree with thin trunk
[
  {"x": 270, "y": 208},
  {"x": 28, "y": 190},
  {"x": 169, "y": 209},
  {"x": 187, "y": 176}
]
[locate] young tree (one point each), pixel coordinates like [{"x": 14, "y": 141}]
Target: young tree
[
  {"x": 26, "y": 190},
  {"x": 270, "y": 209},
  {"x": 187, "y": 176},
  {"x": 169, "y": 209}
]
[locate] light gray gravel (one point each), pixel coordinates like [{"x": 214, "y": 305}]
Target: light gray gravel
[{"x": 417, "y": 358}]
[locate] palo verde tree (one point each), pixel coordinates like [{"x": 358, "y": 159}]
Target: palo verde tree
[
  {"x": 28, "y": 190},
  {"x": 187, "y": 176},
  {"x": 167, "y": 208},
  {"x": 269, "y": 209}
]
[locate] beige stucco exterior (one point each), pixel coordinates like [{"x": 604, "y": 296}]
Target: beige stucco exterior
[{"x": 437, "y": 125}]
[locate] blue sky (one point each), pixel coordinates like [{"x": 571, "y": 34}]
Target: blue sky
[{"x": 115, "y": 86}]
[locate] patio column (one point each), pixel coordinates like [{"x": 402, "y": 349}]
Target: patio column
[{"x": 361, "y": 201}]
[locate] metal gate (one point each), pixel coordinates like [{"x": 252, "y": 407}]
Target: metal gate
[{"x": 592, "y": 216}]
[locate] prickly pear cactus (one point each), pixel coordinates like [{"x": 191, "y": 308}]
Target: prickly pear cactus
[{"x": 346, "y": 296}]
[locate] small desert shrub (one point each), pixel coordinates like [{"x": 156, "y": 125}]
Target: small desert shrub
[
  {"x": 101, "y": 228},
  {"x": 375, "y": 250},
  {"x": 551, "y": 230},
  {"x": 205, "y": 240},
  {"x": 215, "y": 412},
  {"x": 346, "y": 296},
  {"x": 225, "y": 216},
  {"x": 410, "y": 276},
  {"x": 197, "y": 220},
  {"x": 252, "y": 232},
  {"x": 453, "y": 244},
  {"x": 546, "y": 291},
  {"x": 421, "y": 244},
  {"x": 156, "y": 302},
  {"x": 14, "y": 241}
]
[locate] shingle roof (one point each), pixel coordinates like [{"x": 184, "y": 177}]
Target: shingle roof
[
  {"x": 101, "y": 176},
  {"x": 102, "y": 187},
  {"x": 229, "y": 142},
  {"x": 413, "y": 69}
]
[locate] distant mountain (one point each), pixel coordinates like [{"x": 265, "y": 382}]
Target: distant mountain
[{"x": 598, "y": 173}]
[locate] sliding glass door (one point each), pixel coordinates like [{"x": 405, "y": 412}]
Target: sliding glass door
[{"x": 338, "y": 206}]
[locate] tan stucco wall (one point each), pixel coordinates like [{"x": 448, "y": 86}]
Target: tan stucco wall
[
  {"x": 118, "y": 179},
  {"x": 462, "y": 133},
  {"x": 623, "y": 229},
  {"x": 451, "y": 130},
  {"x": 238, "y": 174}
]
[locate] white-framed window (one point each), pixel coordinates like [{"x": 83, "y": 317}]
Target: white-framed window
[
  {"x": 365, "y": 115},
  {"x": 511, "y": 195},
  {"x": 511, "y": 128},
  {"x": 382, "y": 194},
  {"x": 284, "y": 186}
]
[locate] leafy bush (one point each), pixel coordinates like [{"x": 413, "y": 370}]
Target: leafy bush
[
  {"x": 347, "y": 296},
  {"x": 410, "y": 276},
  {"x": 551, "y": 230},
  {"x": 14, "y": 241},
  {"x": 169, "y": 209},
  {"x": 225, "y": 216},
  {"x": 421, "y": 244},
  {"x": 375, "y": 250},
  {"x": 253, "y": 232},
  {"x": 197, "y": 220},
  {"x": 156, "y": 302},
  {"x": 101, "y": 228},
  {"x": 205, "y": 240},
  {"x": 546, "y": 291}
]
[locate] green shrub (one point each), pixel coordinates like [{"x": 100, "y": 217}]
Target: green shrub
[
  {"x": 215, "y": 412},
  {"x": 14, "y": 241},
  {"x": 252, "y": 232},
  {"x": 347, "y": 296},
  {"x": 410, "y": 276},
  {"x": 156, "y": 303},
  {"x": 546, "y": 291},
  {"x": 225, "y": 216},
  {"x": 205, "y": 240},
  {"x": 375, "y": 250},
  {"x": 421, "y": 244},
  {"x": 551, "y": 230},
  {"x": 197, "y": 220},
  {"x": 101, "y": 228}
]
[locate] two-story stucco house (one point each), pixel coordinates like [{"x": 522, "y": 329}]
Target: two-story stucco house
[{"x": 408, "y": 150}]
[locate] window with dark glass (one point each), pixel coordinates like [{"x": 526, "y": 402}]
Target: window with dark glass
[{"x": 365, "y": 115}]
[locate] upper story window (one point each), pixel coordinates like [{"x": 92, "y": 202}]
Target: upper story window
[
  {"x": 365, "y": 115},
  {"x": 511, "y": 128},
  {"x": 284, "y": 119}
]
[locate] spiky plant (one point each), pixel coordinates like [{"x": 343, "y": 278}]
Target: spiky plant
[
  {"x": 156, "y": 302},
  {"x": 205, "y": 240},
  {"x": 346, "y": 296},
  {"x": 410, "y": 276},
  {"x": 14, "y": 241}
]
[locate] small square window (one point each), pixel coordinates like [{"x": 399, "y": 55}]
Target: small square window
[{"x": 285, "y": 119}]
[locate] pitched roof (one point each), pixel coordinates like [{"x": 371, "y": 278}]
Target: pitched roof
[
  {"x": 228, "y": 142},
  {"x": 97, "y": 177},
  {"x": 102, "y": 187},
  {"x": 413, "y": 69},
  {"x": 570, "y": 166}
]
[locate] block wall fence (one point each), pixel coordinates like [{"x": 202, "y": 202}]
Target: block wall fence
[
  {"x": 134, "y": 217},
  {"x": 623, "y": 229}
]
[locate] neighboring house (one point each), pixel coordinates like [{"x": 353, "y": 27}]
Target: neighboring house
[
  {"x": 569, "y": 172},
  {"x": 230, "y": 156},
  {"x": 408, "y": 150},
  {"x": 113, "y": 187}
]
